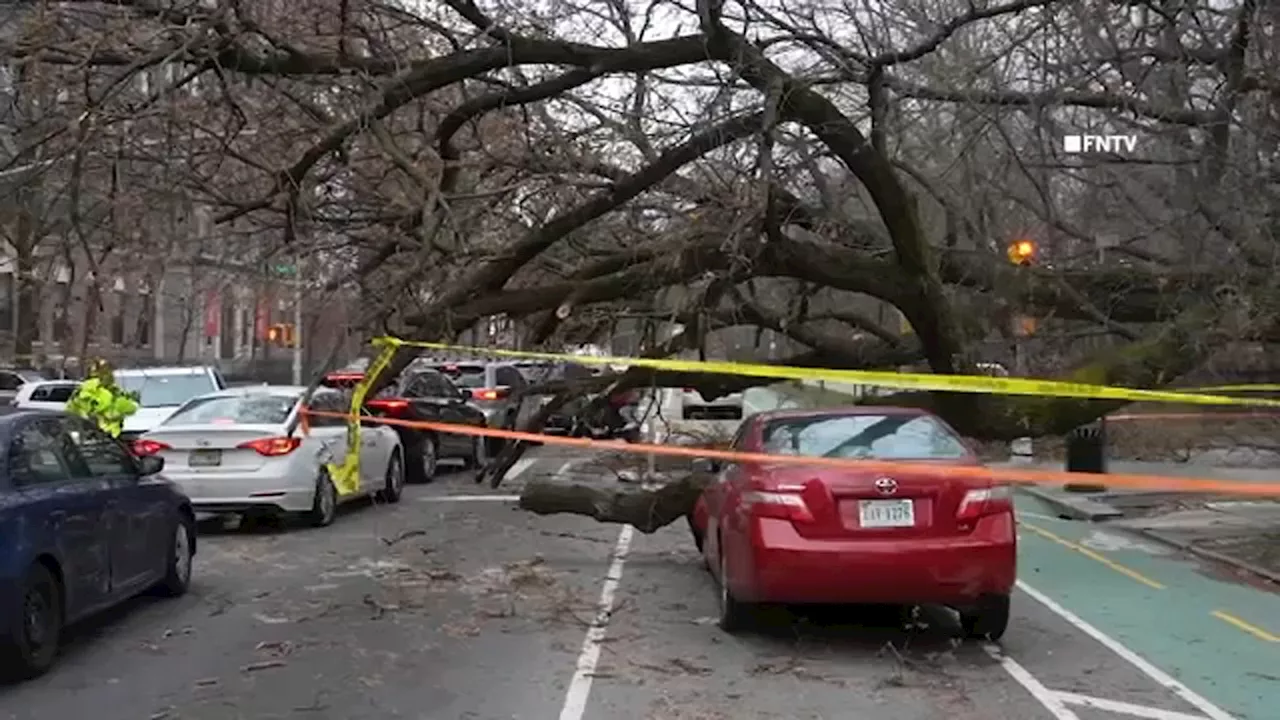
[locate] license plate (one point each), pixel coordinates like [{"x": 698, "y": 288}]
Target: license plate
[
  {"x": 886, "y": 513},
  {"x": 205, "y": 458}
]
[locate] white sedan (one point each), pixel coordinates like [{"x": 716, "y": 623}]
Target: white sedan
[{"x": 242, "y": 450}]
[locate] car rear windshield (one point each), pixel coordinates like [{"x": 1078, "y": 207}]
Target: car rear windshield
[
  {"x": 471, "y": 376},
  {"x": 872, "y": 437},
  {"x": 256, "y": 409},
  {"x": 166, "y": 390}
]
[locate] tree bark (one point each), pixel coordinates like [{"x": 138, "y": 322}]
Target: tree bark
[{"x": 647, "y": 510}]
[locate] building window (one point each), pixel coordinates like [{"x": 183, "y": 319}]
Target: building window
[
  {"x": 146, "y": 319},
  {"x": 117, "y": 318}
]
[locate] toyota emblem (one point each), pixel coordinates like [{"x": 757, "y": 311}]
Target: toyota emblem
[{"x": 887, "y": 486}]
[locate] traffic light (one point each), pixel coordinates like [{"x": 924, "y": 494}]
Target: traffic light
[
  {"x": 1022, "y": 252},
  {"x": 282, "y": 335}
]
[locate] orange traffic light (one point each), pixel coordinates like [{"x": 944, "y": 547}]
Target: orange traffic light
[
  {"x": 281, "y": 334},
  {"x": 1022, "y": 252}
]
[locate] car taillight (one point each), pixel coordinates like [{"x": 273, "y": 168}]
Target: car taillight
[
  {"x": 780, "y": 505},
  {"x": 981, "y": 502},
  {"x": 489, "y": 393},
  {"x": 147, "y": 447},
  {"x": 272, "y": 447},
  {"x": 391, "y": 407}
]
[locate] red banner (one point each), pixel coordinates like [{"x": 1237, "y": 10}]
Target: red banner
[
  {"x": 262, "y": 318},
  {"x": 212, "y": 314}
]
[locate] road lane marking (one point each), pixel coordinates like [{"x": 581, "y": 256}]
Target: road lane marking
[
  {"x": 1250, "y": 628},
  {"x": 1199, "y": 702},
  {"x": 575, "y": 701},
  {"x": 1123, "y": 708},
  {"x": 1042, "y": 694},
  {"x": 469, "y": 498},
  {"x": 1092, "y": 555},
  {"x": 519, "y": 468}
]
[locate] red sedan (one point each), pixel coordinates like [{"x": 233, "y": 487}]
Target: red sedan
[{"x": 792, "y": 534}]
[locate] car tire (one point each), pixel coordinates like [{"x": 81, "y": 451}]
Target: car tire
[
  {"x": 394, "y": 487},
  {"x": 324, "y": 508},
  {"x": 988, "y": 620},
  {"x": 31, "y": 647},
  {"x": 427, "y": 459},
  {"x": 182, "y": 551},
  {"x": 735, "y": 615}
]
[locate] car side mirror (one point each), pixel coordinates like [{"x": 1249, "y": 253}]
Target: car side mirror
[
  {"x": 150, "y": 465},
  {"x": 706, "y": 465},
  {"x": 368, "y": 422}
]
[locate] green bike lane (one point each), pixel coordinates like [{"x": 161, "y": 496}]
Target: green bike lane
[{"x": 1221, "y": 638}]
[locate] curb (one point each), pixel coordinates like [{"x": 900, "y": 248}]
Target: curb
[
  {"x": 1073, "y": 508},
  {"x": 1218, "y": 557}
]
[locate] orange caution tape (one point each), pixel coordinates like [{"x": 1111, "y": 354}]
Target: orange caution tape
[{"x": 1015, "y": 476}]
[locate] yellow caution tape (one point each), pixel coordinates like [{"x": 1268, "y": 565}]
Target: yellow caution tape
[
  {"x": 346, "y": 477},
  {"x": 981, "y": 384}
]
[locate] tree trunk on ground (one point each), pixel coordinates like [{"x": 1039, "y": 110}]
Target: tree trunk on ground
[{"x": 647, "y": 510}]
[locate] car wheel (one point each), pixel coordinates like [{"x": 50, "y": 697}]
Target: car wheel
[
  {"x": 32, "y": 645},
  {"x": 988, "y": 620},
  {"x": 428, "y": 459},
  {"x": 395, "y": 480},
  {"x": 735, "y": 615},
  {"x": 182, "y": 551},
  {"x": 325, "y": 506}
]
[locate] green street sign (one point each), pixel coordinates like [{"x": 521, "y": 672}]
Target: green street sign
[{"x": 284, "y": 270}]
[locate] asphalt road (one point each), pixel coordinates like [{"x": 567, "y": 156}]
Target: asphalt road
[{"x": 452, "y": 607}]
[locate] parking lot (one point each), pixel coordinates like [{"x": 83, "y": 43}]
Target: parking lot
[{"x": 455, "y": 605}]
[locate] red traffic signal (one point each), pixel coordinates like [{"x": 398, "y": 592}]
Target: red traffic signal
[{"x": 1022, "y": 252}]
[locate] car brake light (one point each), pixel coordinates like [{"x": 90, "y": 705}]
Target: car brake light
[
  {"x": 148, "y": 447},
  {"x": 392, "y": 407},
  {"x": 489, "y": 393},
  {"x": 985, "y": 501},
  {"x": 783, "y": 506},
  {"x": 273, "y": 446}
]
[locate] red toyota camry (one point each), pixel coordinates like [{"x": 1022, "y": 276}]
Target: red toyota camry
[{"x": 792, "y": 534}]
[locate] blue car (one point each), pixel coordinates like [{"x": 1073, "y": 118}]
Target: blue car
[{"x": 84, "y": 525}]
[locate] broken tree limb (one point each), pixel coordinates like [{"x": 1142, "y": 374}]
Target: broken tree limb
[{"x": 647, "y": 510}]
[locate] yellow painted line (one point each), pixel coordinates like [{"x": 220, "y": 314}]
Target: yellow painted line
[
  {"x": 1253, "y": 630},
  {"x": 1127, "y": 572}
]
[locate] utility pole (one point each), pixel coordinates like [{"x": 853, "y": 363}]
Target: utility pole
[{"x": 297, "y": 320}]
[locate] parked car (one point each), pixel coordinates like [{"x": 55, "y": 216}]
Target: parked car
[
  {"x": 242, "y": 451},
  {"x": 787, "y": 533},
  {"x": 495, "y": 387},
  {"x": 425, "y": 395},
  {"x": 693, "y": 406},
  {"x": 84, "y": 525},
  {"x": 161, "y": 391},
  {"x": 45, "y": 394},
  {"x": 12, "y": 380}
]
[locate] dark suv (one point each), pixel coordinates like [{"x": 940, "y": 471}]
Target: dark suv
[
  {"x": 424, "y": 394},
  {"x": 495, "y": 389}
]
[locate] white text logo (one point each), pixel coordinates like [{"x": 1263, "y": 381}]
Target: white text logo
[{"x": 1099, "y": 143}]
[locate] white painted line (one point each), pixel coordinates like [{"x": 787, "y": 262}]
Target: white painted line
[
  {"x": 575, "y": 701},
  {"x": 1042, "y": 694},
  {"x": 469, "y": 498},
  {"x": 1123, "y": 708},
  {"x": 519, "y": 468},
  {"x": 1161, "y": 677}
]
